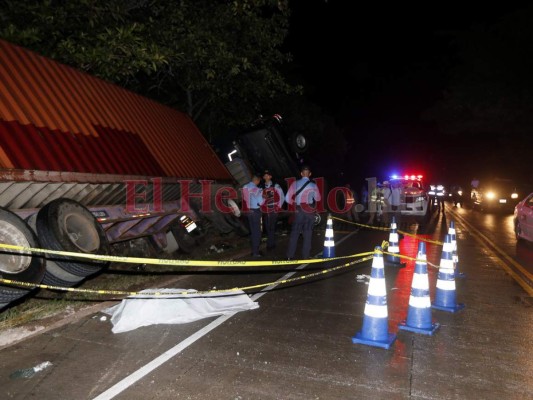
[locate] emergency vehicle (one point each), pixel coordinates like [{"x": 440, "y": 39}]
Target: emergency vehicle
[{"x": 414, "y": 199}]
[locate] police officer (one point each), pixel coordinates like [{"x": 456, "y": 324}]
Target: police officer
[
  {"x": 252, "y": 196},
  {"x": 386, "y": 194},
  {"x": 303, "y": 195},
  {"x": 351, "y": 206},
  {"x": 374, "y": 206},
  {"x": 273, "y": 201},
  {"x": 395, "y": 201},
  {"x": 439, "y": 195}
]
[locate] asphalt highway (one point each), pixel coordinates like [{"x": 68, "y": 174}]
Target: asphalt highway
[{"x": 298, "y": 343}]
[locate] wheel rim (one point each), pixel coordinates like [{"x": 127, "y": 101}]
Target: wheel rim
[
  {"x": 82, "y": 233},
  {"x": 13, "y": 262},
  {"x": 301, "y": 141},
  {"x": 234, "y": 208}
]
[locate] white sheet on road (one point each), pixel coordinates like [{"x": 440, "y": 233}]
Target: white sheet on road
[{"x": 136, "y": 311}]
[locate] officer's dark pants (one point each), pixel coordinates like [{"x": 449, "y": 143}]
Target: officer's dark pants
[
  {"x": 254, "y": 222},
  {"x": 303, "y": 223},
  {"x": 440, "y": 204},
  {"x": 270, "y": 219}
]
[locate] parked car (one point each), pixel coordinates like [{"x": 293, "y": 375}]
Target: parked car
[
  {"x": 496, "y": 194},
  {"x": 523, "y": 219}
]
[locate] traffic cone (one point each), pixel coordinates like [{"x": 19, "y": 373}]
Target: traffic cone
[
  {"x": 329, "y": 242},
  {"x": 455, "y": 256},
  {"x": 419, "y": 312},
  {"x": 445, "y": 295},
  {"x": 376, "y": 319},
  {"x": 394, "y": 246}
]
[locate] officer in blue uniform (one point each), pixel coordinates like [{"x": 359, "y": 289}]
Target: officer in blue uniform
[
  {"x": 252, "y": 196},
  {"x": 303, "y": 194}
]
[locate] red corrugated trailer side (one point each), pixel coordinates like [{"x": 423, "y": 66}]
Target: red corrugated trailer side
[{"x": 75, "y": 151}]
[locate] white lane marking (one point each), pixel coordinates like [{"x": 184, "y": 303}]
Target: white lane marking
[{"x": 136, "y": 376}]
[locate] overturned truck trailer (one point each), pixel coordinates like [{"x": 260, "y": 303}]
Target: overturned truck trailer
[{"x": 85, "y": 165}]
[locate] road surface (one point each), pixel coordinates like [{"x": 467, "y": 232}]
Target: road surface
[{"x": 297, "y": 344}]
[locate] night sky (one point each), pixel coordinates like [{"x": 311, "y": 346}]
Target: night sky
[{"x": 377, "y": 67}]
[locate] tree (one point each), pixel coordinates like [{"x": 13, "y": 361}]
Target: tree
[
  {"x": 217, "y": 60},
  {"x": 488, "y": 104}
]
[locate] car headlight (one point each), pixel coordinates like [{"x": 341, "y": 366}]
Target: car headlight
[
  {"x": 514, "y": 196},
  {"x": 490, "y": 195},
  {"x": 460, "y": 192},
  {"x": 420, "y": 198}
]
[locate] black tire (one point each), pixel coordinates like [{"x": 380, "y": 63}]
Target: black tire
[
  {"x": 298, "y": 143},
  {"x": 235, "y": 219},
  {"x": 57, "y": 276},
  {"x": 186, "y": 242},
  {"x": 201, "y": 231},
  {"x": 66, "y": 225},
  {"x": 13, "y": 230},
  {"x": 218, "y": 221},
  {"x": 318, "y": 219}
]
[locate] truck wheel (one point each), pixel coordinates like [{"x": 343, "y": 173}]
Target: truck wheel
[
  {"x": 186, "y": 243},
  {"x": 234, "y": 219},
  {"x": 57, "y": 276},
  {"x": 66, "y": 225},
  {"x": 318, "y": 219},
  {"x": 218, "y": 220},
  {"x": 24, "y": 268},
  {"x": 298, "y": 143}
]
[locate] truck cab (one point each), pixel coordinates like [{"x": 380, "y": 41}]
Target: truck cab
[{"x": 266, "y": 145}]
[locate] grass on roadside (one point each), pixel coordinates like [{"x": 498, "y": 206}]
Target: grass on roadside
[{"x": 44, "y": 303}]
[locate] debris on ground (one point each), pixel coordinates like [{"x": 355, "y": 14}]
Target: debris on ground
[
  {"x": 363, "y": 278},
  {"x": 220, "y": 247},
  {"x": 29, "y": 372}
]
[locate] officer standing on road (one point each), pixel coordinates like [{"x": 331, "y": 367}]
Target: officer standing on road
[
  {"x": 273, "y": 200},
  {"x": 374, "y": 206},
  {"x": 439, "y": 195},
  {"x": 303, "y": 194},
  {"x": 252, "y": 196},
  {"x": 395, "y": 201},
  {"x": 351, "y": 200},
  {"x": 386, "y": 194}
]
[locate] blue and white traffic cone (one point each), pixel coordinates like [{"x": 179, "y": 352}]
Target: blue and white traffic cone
[
  {"x": 394, "y": 246},
  {"x": 445, "y": 295},
  {"x": 455, "y": 256},
  {"x": 329, "y": 242},
  {"x": 419, "y": 312},
  {"x": 376, "y": 319}
]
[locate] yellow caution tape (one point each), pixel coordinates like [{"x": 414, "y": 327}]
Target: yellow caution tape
[
  {"x": 362, "y": 225},
  {"x": 185, "y": 293},
  {"x": 411, "y": 258},
  {"x": 437, "y": 242},
  {"x": 192, "y": 263}
]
